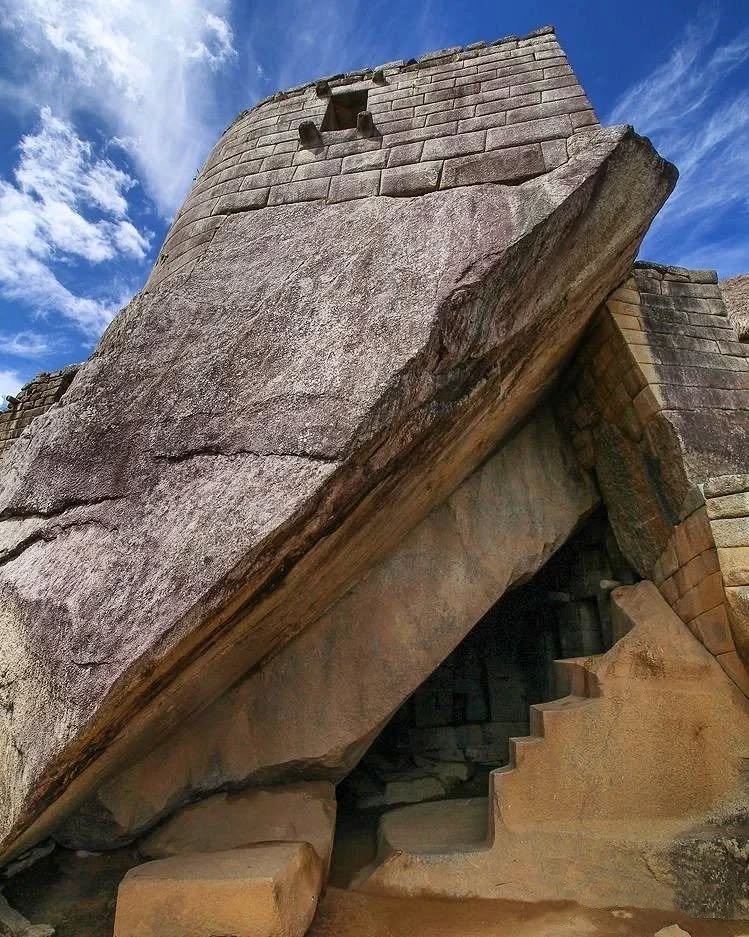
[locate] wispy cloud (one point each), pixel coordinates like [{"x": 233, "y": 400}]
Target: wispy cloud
[
  {"x": 145, "y": 71},
  {"x": 695, "y": 108},
  {"x": 64, "y": 205},
  {"x": 28, "y": 345}
]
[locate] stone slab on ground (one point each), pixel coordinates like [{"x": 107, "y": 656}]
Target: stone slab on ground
[
  {"x": 352, "y": 914},
  {"x": 265, "y": 891},
  {"x": 292, "y": 813}
]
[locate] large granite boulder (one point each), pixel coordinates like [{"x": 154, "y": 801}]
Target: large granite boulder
[
  {"x": 252, "y": 435},
  {"x": 314, "y": 708}
]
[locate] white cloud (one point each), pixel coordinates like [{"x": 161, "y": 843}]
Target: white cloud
[
  {"x": 146, "y": 71},
  {"x": 695, "y": 108},
  {"x": 27, "y": 344},
  {"x": 65, "y": 204},
  {"x": 10, "y": 383}
]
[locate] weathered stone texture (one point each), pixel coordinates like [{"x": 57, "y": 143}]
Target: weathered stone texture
[
  {"x": 522, "y": 91},
  {"x": 279, "y": 418},
  {"x": 736, "y": 297},
  {"x": 263, "y": 891},
  {"x": 35, "y": 399},
  {"x": 660, "y": 408},
  {"x": 624, "y": 784},
  {"x": 408, "y": 614},
  {"x": 295, "y": 813}
]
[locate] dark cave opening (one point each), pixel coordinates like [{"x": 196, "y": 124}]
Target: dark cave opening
[{"x": 447, "y": 737}]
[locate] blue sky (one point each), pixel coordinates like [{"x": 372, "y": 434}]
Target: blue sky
[{"x": 109, "y": 107}]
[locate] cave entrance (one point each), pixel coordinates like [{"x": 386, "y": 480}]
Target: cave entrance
[{"x": 455, "y": 728}]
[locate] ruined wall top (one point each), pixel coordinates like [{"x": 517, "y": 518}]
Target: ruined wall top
[{"x": 484, "y": 113}]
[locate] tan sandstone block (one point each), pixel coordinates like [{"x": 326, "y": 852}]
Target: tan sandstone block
[
  {"x": 287, "y": 813},
  {"x": 265, "y": 891},
  {"x": 734, "y": 565},
  {"x": 669, "y": 591},
  {"x": 736, "y": 670},
  {"x": 713, "y": 629},
  {"x": 625, "y": 294},
  {"x": 737, "y": 600}
]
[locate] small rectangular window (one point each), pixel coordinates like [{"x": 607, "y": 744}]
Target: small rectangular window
[{"x": 343, "y": 109}]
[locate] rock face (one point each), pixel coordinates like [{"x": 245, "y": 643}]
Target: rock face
[
  {"x": 266, "y": 891},
  {"x": 249, "y": 438},
  {"x": 297, "y": 813},
  {"x": 736, "y": 297},
  {"x": 407, "y": 614}
]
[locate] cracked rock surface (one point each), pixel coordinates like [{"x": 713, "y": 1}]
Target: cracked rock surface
[{"x": 247, "y": 440}]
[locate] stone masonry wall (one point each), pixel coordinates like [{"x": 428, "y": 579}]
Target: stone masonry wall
[
  {"x": 658, "y": 398},
  {"x": 484, "y": 113},
  {"x": 35, "y": 398}
]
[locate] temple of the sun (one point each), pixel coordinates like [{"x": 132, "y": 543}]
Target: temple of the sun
[{"x": 393, "y": 544}]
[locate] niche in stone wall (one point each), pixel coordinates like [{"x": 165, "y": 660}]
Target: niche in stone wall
[{"x": 343, "y": 109}]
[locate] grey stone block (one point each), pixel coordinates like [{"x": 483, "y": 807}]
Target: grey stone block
[
  {"x": 371, "y": 159},
  {"x": 484, "y": 122},
  {"x": 261, "y": 180},
  {"x": 584, "y": 119},
  {"x": 248, "y": 200},
  {"x": 547, "y": 128},
  {"x": 424, "y": 133},
  {"x": 318, "y": 169},
  {"x": 503, "y": 102},
  {"x": 549, "y": 109},
  {"x": 514, "y": 82},
  {"x": 411, "y": 180},
  {"x": 444, "y": 117},
  {"x": 306, "y": 191},
  {"x": 354, "y": 185},
  {"x": 556, "y": 71},
  {"x": 508, "y": 165},
  {"x": 404, "y": 154},
  {"x": 455, "y": 145},
  {"x": 554, "y": 153}
]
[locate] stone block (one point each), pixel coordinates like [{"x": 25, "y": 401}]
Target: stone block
[
  {"x": 404, "y": 154},
  {"x": 734, "y": 565},
  {"x": 265, "y": 891},
  {"x": 508, "y": 165},
  {"x": 713, "y": 629},
  {"x": 242, "y": 201},
  {"x": 292, "y": 813},
  {"x": 731, "y": 531},
  {"x": 547, "y": 109},
  {"x": 554, "y": 153},
  {"x": 736, "y": 669},
  {"x": 458, "y": 145},
  {"x": 306, "y": 191},
  {"x": 370, "y": 159},
  {"x": 354, "y": 185},
  {"x": 546, "y": 128},
  {"x": 728, "y": 506},
  {"x": 411, "y": 180},
  {"x": 317, "y": 169}
]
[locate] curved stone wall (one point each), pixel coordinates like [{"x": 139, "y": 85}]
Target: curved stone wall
[{"x": 484, "y": 113}]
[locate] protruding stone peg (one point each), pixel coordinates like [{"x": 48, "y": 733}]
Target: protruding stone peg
[
  {"x": 322, "y": 89},
  {"x": 364, "y": 124},
  {"x": 378, "y": 76},
  {"x": 309, "y": 134}
]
